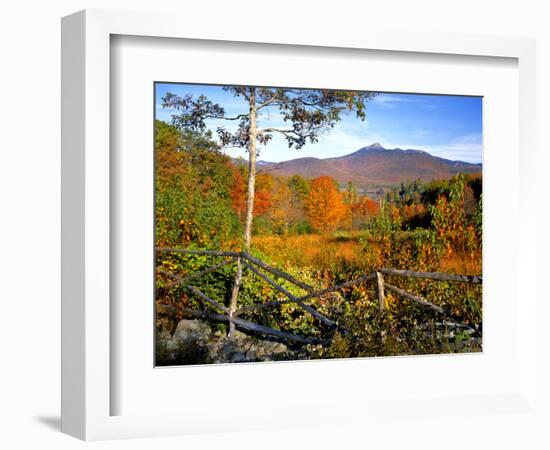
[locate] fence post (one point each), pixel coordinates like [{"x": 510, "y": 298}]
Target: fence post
[{"x": 381, "y": 294}]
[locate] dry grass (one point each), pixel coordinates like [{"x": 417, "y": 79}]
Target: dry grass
[
  {"x": 324, "y": 251},
  {"x": 307, "y": 249},
  {"x": 461, "y": 264}
]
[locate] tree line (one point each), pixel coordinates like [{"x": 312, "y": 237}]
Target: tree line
[{"x": 202, "y": 193}]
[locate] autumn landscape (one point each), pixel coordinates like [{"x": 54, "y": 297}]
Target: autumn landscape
[{"x": 296, "y": 224}]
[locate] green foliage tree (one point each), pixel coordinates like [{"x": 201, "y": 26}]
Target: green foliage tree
[{"x": 193, "y": 204}]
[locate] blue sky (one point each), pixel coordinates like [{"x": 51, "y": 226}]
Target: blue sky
[{"x": 443, "y": 125}]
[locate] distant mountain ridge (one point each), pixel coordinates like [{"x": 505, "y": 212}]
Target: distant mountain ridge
[{"x": 373, "y": 166}]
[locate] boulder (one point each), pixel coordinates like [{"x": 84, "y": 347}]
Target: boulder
[
  {"x": 194, "y": 342},
  {"x": 238, "y": 357},
  {"x": 192, "y": 331}
]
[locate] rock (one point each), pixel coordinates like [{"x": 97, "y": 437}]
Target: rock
[
  {"x": 276, "y": 347},
  {"x": 171, "y": 345},
  {"x": 195, "y": 331},
  {"x": 193, "y": 342},
  {"x": 238, "y": 357},
  {"x": 239, "y": 336},
  {"x": 228, "y": 348},
  {"x": 164, "y": 335}
]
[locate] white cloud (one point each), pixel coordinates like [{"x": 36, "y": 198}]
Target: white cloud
[
  {"x": 468, "y": 148},
  {"x": 392, "y": 101},
  {"x": 421, "y": 132}
]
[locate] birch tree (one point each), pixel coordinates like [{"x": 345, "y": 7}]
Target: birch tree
[{"x": 306, "y": 114}]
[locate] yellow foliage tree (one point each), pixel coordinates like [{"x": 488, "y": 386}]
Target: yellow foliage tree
[
  {"x": 324, "y": 204},
  {"x": 281, "y": 206}
]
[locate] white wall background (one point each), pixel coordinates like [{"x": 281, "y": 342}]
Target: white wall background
[{"x": 30, "y": 199}]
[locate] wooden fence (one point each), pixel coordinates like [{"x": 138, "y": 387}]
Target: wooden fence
[{"x": 264, "y": 270}]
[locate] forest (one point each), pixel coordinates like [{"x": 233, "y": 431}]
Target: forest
[{"x": 322, "y": 233}]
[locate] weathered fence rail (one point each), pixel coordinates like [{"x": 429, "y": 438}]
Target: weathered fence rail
[
  {"x": 291, "y": 297},
  {"x": 252, "y": 326},
  {"x": 414, "y": 298},
  {"x": 439, "y": 276},
  {"x": 255, "y": 265}
]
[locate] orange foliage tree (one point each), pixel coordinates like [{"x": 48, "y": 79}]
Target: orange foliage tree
[
  {"x": 324, "y": 204},
  {"x": 363, "y": 210},
  {"x": 415, "y": 209},
  {"x": 262, "y": 195}
]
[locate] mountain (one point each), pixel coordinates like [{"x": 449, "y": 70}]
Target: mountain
[{"x": 374, "y": 166}]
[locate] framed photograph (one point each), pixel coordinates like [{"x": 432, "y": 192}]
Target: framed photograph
[
  {"x": 301, "y": 221},
  {"x": 299, "y": 269}
]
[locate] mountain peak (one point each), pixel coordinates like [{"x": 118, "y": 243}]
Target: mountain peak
[
  {"x": 375, "y": 146},
  {"x": 374, "y": 166}
]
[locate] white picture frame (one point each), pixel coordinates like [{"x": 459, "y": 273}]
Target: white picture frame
[{"x": 87, "y": 386}]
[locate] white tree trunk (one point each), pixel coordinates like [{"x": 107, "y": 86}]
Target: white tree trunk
[{"x": 249, "y": 206}]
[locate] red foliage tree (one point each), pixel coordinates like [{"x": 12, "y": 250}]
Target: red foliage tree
[
  {"x": 363, "y": 210},
  {"x": 262, "y": 195}
]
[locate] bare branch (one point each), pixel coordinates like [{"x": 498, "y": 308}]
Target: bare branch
[
  {"x": 276, "y": 130},
  {"x": 240, "y": 116},
  {"x": 275, "y": 100}
]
